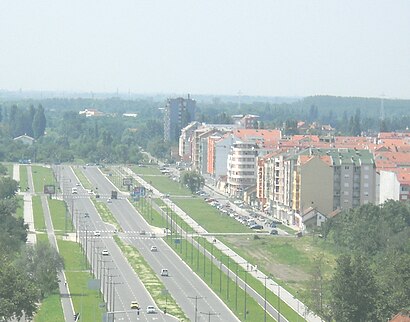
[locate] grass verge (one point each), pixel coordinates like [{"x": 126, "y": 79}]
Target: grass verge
[
  {"x": 209, "y": 217},
  {"x": 146, "y": 170},
  {"x": 38, "y": 216},
  {"x": 85, "y": 301},
  {"x": 20, "y": 206},
  {"x": 23, "y": 178},
  {"x": 41, "y": 176},
  {"x": 231, "y": 294},
  {"x": 50, "y": 309},
  {"x": 150, "y": 280},
  {"x": 60, "y": 217}
]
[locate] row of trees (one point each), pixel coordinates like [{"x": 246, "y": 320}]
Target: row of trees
[
  {"x": 27, "y": 273},
  {"x": 19, "y": 121},
  {"x": 114, "y": 138},
  {"x": 371, "y": 281}
]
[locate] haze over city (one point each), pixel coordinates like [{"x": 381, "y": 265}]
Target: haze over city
[{"x": 272, "y": 48}]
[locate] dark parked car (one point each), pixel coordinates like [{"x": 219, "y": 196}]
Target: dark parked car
[
  {"x": 256, "y": 226},
  {"x": 274, "y": 232}
]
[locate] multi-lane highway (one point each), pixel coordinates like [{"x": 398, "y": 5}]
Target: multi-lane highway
[{"x": 182, "y": 283}]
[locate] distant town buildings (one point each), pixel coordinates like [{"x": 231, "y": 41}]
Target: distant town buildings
[
  {"x": 91, "y": 113},
  {"x": 299, "y": 179},
  {"x": 178, "y": 112}
]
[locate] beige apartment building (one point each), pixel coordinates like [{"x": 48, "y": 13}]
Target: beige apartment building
[{"x": 334, "y": 179}]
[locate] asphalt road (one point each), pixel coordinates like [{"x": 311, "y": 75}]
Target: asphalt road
[
  {"x": 182, "y": 282},
  {"x": 119, "y": 282}
]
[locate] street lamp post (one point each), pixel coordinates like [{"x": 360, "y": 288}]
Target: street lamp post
[
  {"x": 276, "y": 284},
  {"x": 264, "y": 298},
  {"x": 196, "y": 298},
  {"x": 236, "y": 285}
]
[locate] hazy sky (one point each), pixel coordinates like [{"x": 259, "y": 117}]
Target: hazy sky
[{"x": 258, "y": 47}]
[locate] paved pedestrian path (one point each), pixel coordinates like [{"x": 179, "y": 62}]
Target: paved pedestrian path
[
  {"x": 65, "y": 296},
  {"x": 281, "y": 292}
]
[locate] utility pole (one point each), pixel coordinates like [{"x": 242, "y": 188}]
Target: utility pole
[
  {"x": 209, "y": 314},
  {"x": 196, "y": 298}
]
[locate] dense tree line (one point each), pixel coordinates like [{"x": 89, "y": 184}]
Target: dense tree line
[
  {"x": 27, "y": 273},
  {"x": 114, "y": 138},
  {"x": 371, "y": 281},
  {"x": 111, "y": 138}
]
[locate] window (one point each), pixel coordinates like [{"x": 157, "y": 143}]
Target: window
[
  {"x": 366, "y": 176},
  {"x": 346, "y": 167},
  {"x": 366, "y": 185},
  {"x": 346, "y": 185},
  {"x": 366, "y": 168},
  {"x": 346, "y": 193},
  {"x": 347, "y": 176}
]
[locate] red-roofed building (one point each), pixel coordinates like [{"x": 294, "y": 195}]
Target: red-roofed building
[{"x": 403, "y": 316}]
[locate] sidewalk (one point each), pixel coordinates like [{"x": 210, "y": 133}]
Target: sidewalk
[
  {"x": 282, "y": 293},
  {"x": 65, "y": 296},
  {"x": 28, "y": 208}
]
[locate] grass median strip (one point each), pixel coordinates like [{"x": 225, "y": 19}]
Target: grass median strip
[
  {"x": 106, "y": 214},
  {"x": 82, "y": 178},
  {"x": 150, "y": 280}
]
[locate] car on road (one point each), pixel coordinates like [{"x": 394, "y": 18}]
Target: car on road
[
  {"x": 152, "y": 235},
  {"x": 151, "y": 309},
  {"x": 142, "y": 232},
  {"x": 154, "y": 249},
  {"x": 274, "y": 232},
  {"x": 109, "y": 200},
  {"x": 78, "y": 184},
  {"x": 164, "y": 272},
  {"x": 256, "y": 226},
  {"x": 104, "y": 252},
  {"x": 86, "y": 215},
  {"x": 97, "y": 233},
  {"x": 134, "y": 305}
]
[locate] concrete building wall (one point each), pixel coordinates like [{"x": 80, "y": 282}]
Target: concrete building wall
[
  {"x": 222, "y": 148},
  {"x": 316, "y": 190},
  {"x": 389, "y": 186}
]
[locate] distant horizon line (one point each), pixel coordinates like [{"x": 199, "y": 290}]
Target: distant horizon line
[{"x": 122, "y": 94}]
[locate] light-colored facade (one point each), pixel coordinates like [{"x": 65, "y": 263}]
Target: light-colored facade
[
  {"x": 218, "y": 150},
  {"x": 241, "y": 168},
  {"x": 185, "y": 141},
  {"x": 395, "y": 185}
]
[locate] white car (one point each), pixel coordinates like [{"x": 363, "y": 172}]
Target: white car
[
  {"x": 164, "y": 272},
  {"x": 151, "y": 309},
  {"x": 154, "y": 249},
  {"x": 97, "y": 233},
  {"x": 104, "y": 252},
  {"x": 109, "y": 200}
]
